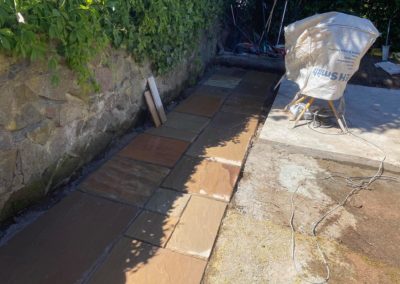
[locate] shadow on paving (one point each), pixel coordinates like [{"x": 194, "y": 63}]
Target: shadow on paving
[{"x": 152, "y": 212}]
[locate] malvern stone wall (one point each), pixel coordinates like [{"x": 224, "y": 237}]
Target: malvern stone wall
[{"x": 47, "y": 132}]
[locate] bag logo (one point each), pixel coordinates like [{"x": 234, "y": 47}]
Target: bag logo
[{"x": 333, "y": 76}]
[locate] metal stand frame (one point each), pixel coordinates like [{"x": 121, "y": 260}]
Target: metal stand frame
[{"x": 299, "y": 98}]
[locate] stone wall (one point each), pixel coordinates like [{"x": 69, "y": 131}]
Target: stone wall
[{"x": 48, "y": 132}]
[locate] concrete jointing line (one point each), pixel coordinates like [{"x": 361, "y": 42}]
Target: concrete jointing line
[{"x": 355, "y": 183}]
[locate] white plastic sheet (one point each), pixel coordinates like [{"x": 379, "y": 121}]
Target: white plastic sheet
[{"x": 325, "y": 50}]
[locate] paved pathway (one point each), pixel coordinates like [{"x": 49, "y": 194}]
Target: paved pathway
[{"x": 152, "y": 212}]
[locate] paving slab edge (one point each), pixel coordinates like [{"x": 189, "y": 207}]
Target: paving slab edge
[{"x": 332, "y": 156}]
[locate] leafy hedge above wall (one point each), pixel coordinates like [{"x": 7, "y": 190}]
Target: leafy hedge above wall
[{"x": 74, "y": 31}]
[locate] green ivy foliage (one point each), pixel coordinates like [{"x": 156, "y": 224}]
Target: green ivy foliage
[
  {"x": 74, "y": 31},
  {"x": 160, "y": 30}
]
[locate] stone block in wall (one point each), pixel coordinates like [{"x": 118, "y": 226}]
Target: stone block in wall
[
  {"x": 6, "y": 62},
  {"x": 121, "y": 68},
  {"x": 8, "y": 161},
  {"x": 18, "y": 107},
  {"x": 74, "y": 109},
  {"x": 61, "y": 171},
  {"x": 28, "y": 114},
  {"x": 59, "y": 141},
  {"x": 34, "y": 159},
  {"x": 104, "y": 78},
  {"x": 6, "y": 141},
  {"x": 19, "y": 199},
  {"x": 52, "y": 112},
  {"x": 96, "y": 145},
  {"x": 41, "y": 85},
  {"x": 104, "y": 122},
  {"x": 90, "y": 146},
  {"x": 96, "y": 102},
  {"x": 42, "y": 133}
]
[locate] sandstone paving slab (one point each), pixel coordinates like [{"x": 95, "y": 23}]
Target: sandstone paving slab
[
  {"x": 134, "y": 262},
  {"x": 265, "y": 80},
  {"x": 206, "y": 90},
  {"x": 174, "y": 133},
  {"x": 245, "y": 98},
  {"x": 186, "y": 122},
  {"x": 237, "y": 72},
  {"x": 154, "y": 149},
  {"x": 168, "y": 202},
  {"x": 224, "y": 145},
  {"x": 223, "y": 81},
  {"x": 64, "y": 243},
  {"x": 200, "y": 105},
  {"x": 236, "y": 121},
  {"x": 152, "y": 228},
  {"x": 230, "y": 71},
  {"x": 198, "y": 227},
  {"x": 246, "y": 89},
  {"x": 205, "y": 177},
  {"x": 257, "y": 84},
  {"x": 125, "y": 180},
  {"x": 243, "y": 104},
  {"x": 245, "y": 109}
]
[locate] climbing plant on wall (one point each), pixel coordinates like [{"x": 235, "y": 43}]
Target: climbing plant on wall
[
  {"x": 161, "y": 30},
  {"x": 74, "y": 31}
]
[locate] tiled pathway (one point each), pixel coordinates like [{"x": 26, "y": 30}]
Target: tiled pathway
[{"x": 151, "y": 213}]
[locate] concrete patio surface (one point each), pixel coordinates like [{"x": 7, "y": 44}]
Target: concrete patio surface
[
  {"x": 152, "y": 212},
  {"x": 372, "y": 113},
  {"x": 361, "y": 240}
]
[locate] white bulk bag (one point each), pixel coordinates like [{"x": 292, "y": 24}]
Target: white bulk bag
[{"x": 324, "y": 51}]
